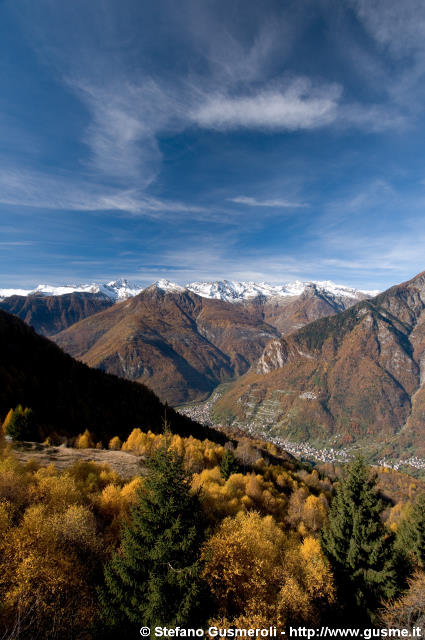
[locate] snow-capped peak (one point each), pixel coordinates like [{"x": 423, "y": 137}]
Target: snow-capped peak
[
  {"x": 167, "y": 286},
  {"x": 116, "y": 290},
  {"x": 232, "y": 291}
]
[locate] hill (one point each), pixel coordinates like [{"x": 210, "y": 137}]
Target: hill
[
  {"x": 67, "y": 396},
  {"x": 178, "y": 343}
]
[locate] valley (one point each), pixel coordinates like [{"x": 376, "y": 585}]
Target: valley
[{"x": 320, "y": 369}]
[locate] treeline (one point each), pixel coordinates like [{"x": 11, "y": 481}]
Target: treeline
[{"x": 207, "y": 535}]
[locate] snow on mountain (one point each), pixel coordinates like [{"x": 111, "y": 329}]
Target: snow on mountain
[
  {"x": 169, "y": 287},
  {"x": 116, "y": 290},
  {"x": 227, "y": 290},
  {"x": 232, "y": 291},
  {"x": 5, "y": 293}
]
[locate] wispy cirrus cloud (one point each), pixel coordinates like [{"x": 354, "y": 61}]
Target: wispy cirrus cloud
[
  {"x": 238, "y": 82},
  {"x": 30, "y": 188},
  {"x": 275, "y": 203}
]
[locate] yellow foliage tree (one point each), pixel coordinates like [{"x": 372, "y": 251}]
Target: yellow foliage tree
[
  {"x": 84, "y": 441},
  {"x": 259, "y": 576},
  {"x": 242, "y": 564},
  {"x": 6, "y": 421},
  {"x": 115, "y": 444}
]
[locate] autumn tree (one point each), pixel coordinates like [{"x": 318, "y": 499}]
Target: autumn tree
[
  {"x": 358, "y": 546},
  {"x": 7, "y": 420},
  {"x": 154, "y": 578},
  {"x": 115, "y": 444},
  {"x": 84, "y": 440},
  {"x": 259, "y": 576},
  {"x": 408, "y": 611}
]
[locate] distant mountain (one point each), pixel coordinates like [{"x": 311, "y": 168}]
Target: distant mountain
[
  {"x": 226, "y": 290},
  {"x": 50, "y": 314},
  {"x": 68, "y": 397},
  {"x": 183, "y": 345},
  {"x": 353, "y": 377},
  {"x": 232, "y": 291},
  {"x": 115, "y": 290}
]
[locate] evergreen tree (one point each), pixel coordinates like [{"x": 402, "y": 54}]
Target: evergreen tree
[
  {"x": 20, "y": 425},
  {"x": 358, "y": 547},
  {"x": 154, "y": 579},
  {"x": 228, "y": 464},
  {"x": 411, "y": 533}
]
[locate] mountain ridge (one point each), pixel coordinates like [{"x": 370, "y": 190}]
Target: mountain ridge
[
  {"x": 352, "y": 377},
  {"x": 227, "y": 290},
  {"x": 182, "y": 344}
]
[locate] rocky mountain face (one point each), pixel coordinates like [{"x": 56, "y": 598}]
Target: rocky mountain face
[
  {"x": 353, "y": 377},
  {"x": 50, "y": 314},
  {"x": 289, "y": 313},
  {"x": 67, "y": 396}
]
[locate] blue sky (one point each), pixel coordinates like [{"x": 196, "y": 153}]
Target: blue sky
[{"x": 201, "y": 139}]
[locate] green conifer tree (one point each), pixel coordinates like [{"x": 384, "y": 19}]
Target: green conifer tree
[
  {"x": 154, "y": 578},
  {"x": 228, "y": 464},
  {"x": 21, "y": 425},
  {"x": 411, "y": 533},
  {"x": 359, "y": 548}
]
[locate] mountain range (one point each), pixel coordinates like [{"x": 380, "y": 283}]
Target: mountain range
[
  {"x": 227, "y": 290},
  {"x": 181, "y": 341},
  {"x": 183, "y": 345}
]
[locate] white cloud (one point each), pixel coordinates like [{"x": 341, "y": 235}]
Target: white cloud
[
  {"x": 299, "y": 106},
  {"x": 278, "y": 203}
]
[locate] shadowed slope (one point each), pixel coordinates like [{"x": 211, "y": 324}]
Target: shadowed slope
[{"x": 68, "y": 397}]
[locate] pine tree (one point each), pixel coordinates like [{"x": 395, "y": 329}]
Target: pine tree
[
  {"x": 358, "y": 547},
  {"x": 411, "y": 533},
  {"x": 154, "y": 578},
  {"x": 228, "y": 464},
  {"x": 20, "y": 425}
]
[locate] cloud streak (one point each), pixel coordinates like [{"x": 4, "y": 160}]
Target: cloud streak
[
  {"x": 42, "y": 191},
  {"x": 299, "y": 106},
  {"x": 276, "y": 203}
]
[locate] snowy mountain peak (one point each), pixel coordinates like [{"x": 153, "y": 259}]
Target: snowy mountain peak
[
  {"x": 167, "y": 286},
  {"x": 232, "y": 291},
  {"x": 227, "y": 290},
  {"x": 116, "y": 290}
]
